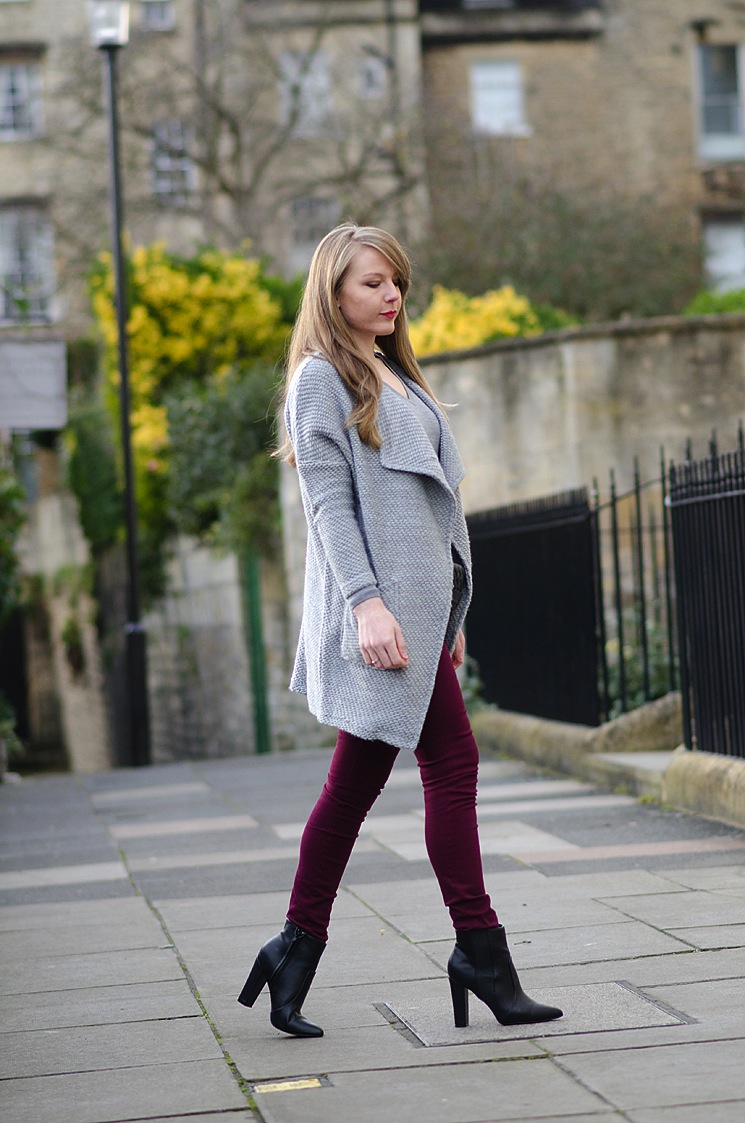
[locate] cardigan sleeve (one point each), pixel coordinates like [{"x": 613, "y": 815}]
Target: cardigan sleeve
[{"x": 315, "y": 415}]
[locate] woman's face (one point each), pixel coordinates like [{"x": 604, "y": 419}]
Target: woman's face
[{"x": 370, "y": 297}]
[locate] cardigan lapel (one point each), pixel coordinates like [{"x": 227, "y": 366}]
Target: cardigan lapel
[{"x": 407, "y": 448}]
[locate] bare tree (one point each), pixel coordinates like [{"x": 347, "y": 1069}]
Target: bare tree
[{"x": 264, "y": 118}]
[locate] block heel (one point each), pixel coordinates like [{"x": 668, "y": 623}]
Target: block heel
[
  {"x": 459, "y": 994},
  {"x": 254, "y": 985}
]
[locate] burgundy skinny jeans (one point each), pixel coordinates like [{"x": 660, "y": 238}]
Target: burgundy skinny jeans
[{"x": 447, "y": 756}]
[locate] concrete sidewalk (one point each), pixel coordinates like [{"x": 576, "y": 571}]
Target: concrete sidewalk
[{"x": 132, "y": 904}]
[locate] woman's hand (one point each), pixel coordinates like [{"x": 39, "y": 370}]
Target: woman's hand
[
  {"x": 459, "y": 651},
  {"x": 380, "y": 637}
]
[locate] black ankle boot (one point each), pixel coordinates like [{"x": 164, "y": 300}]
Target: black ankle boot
[
  {"x": 481, "y": 962},
  {"x": 287, "y": 963}
]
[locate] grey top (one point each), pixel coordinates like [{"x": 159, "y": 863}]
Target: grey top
[
  {"x": 381, "y": 522},
  {"x": 424, "y": 416}
]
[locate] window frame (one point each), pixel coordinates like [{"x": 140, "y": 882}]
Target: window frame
[
  {"x": 481, "y": 123},
  {"x": 167, "y": 24},
  {"x": 171, "y": 160},
  {"x": 301, "y": 248},
  {"x": 32, "y": 104},
  {"x": 720, "y": 147},
  {"x": 39, "y": 253},
  {"x": 735, "y": 223}
]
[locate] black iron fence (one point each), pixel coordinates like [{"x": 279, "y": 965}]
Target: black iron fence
[
  {"x": 532, "y": 627},
  {"x": 707, "y": 507},
  {"x": 577, "y": 605},
  {"x": 637, "y": 649}
]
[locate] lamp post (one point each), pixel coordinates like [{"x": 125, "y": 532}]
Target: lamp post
[{"x": 109, "y": 22}]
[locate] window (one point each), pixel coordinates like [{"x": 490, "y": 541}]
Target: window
[
  {"x": 26, "y": 265},
  {"x": 158, "y": 15},
  {"x": 20, "y": 101},
  {"x": 720, "y": 110},
  {"x": 311, "y": 219},
  {"x": 497, "y": 98},
  {"x": 173, "y": 169},
  {"x": 305, "y": 93},
  {"x": 724, "y": 252}
]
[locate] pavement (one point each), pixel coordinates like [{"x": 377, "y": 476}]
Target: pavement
[{"x": 132, "y": 904}]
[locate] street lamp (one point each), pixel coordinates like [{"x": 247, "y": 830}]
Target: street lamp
[{"x": 109, "y": 22}]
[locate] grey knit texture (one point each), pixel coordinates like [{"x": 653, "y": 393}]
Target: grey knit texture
[{"x": 381, "y": 523}]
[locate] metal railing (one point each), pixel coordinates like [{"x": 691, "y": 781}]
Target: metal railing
[
  {"x": 707, "y": 509},
  {"x": 533, "y": 625},
  {"x": 583, "y": 612}
]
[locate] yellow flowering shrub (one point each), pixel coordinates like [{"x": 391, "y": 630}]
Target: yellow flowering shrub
[
  {"x": 191, "y": 323},
  {"x": 454, "y": 321}
]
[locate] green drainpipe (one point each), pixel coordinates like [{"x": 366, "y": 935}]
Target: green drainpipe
[{"x": 256, "y": 653}]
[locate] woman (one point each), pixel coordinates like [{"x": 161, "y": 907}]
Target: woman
[{"x": 387, "y": 586}]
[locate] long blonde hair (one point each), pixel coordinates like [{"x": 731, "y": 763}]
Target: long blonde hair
[{"x": 320, "y": 326}]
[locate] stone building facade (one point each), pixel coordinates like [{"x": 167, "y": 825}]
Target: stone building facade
[
  {"x": 591, "y": 95},
  {"x": 241, "y": 122},
  {"x": 270, "y": 121}
]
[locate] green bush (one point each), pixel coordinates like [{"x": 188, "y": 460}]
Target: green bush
[
  {"x": 710, "y": 303},
  {"x": 12, "y": 517}
]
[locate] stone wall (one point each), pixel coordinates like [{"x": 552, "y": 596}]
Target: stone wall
[
  {"x": 199, "y": 674},
  {"x": 64, "y": 667},
  {"x": 534, "y": 416}
]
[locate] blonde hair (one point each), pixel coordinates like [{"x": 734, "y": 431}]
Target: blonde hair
[{"x": 320, "y": 326}]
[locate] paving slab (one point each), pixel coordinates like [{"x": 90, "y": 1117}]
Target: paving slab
[
  {"x": 72, "y": 895},
  {"x": 731, "y": 1112},
  {"x": 148, "y": 1092},
  {"x": 468, "y": 1093},
  {"x": 204, "y": 824},
  {"x": 109, "y": 1005},
  {"x": 123, "y": 911},
  {"x": 700, "y": 1073},
  {"x": 690, "y": 908},
  {"x": 50, "y": 1052},
  {"x": 724, "y": 936},
  {"x": 715, "y": 1000},
  {"x": 690, "y": 965},
  {"x": 711, "y": 877},
  {"x": 71, "y": 972},
  {"x": 42, "y": 877},
  {"x": 244, "y": 910},
  {"x": 78, "y": 940}
]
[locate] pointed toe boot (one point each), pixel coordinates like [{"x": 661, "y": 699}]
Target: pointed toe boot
[
  {"x": 287, "y": 965},
  {"x": 481, "y": 963}
]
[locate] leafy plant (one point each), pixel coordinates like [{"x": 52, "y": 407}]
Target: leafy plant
[
  {"x": 92, "y": 470},
  {"x": 72, "y": 641},
  {"x": 709, "y": 303},
  {"x": 198, "y": 328},
  {"x": 12, "y": 517},
  {"x": 222, "y": 481},
  {"x": 659, "y": 683},
  {"x": 10, "y": 743}
]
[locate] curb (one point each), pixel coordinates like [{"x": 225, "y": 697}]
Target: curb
[
  {"x": 639, "y": 752},
  {"x": 707, "y": 784}
]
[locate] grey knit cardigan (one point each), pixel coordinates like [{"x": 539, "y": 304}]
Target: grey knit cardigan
[{"x": 385, "y": 523}]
